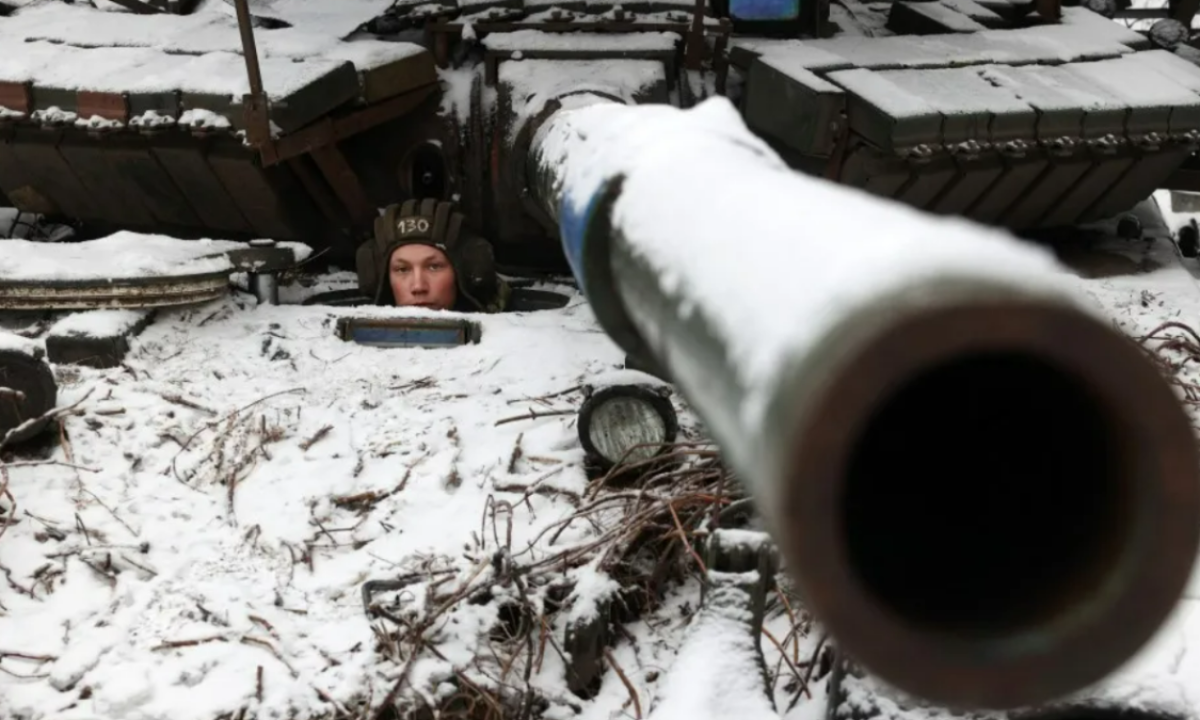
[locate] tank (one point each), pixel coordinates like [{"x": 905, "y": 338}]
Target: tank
[
  {"x": 292, "y": 121},
  {"x": 299, "y": 121}
]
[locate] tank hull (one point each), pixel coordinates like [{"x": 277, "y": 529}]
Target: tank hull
[{"x": 1019, "y": 123}]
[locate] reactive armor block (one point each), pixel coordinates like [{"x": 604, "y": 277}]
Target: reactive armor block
[{"x": 1039, "y": 127}]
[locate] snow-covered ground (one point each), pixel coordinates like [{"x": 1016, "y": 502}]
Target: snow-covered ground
[
  {"x": 195, "y": 545},
  {"x": 218, "y": 501}
]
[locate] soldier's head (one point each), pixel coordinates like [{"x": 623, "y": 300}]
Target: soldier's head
[
  {"x": 422, "y": 275},
  {"x": 421, "y": 255}
]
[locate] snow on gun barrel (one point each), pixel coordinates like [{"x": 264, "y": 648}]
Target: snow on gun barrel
[{"x": 987, "y": 494}]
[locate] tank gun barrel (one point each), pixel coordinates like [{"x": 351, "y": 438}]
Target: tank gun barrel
[{"x": 988, "y": 495}]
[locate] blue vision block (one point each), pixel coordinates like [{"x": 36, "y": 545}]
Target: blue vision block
[
  {"x": 408, "y": 337},
  {"x": 408, "y": 332},
  {"x": 764, "y": 9}
]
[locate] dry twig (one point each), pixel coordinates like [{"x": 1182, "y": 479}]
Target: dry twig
[
  {"x": 612, "y": 663},
  {"x": 639, "y": 536},
  {"x": 316, "y": 438},
  {"x": 535, "y": 415}
]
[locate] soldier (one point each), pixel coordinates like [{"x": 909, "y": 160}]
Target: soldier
[{"x": 421, "y": 255}]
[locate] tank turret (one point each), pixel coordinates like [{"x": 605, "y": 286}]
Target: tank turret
[{"x": 299, "y": 127}]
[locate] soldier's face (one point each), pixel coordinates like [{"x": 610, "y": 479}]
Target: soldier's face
[{"x": 421, "y": 275}]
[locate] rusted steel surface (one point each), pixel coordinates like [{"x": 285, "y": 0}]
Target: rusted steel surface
[
  {"x": 257, "y": 112},
  {"x": 316, "y": 187},
  {"x": 1129, "y": 190},
  {"x": 345, "y": 183},
  {"x": 927, "y": 183},
  {"x": 1036, "y": 199},
  {"x": 117, "y": 194},
  {"x": 271, "y": 199},
  {"x": 1001, "y": 194},
  {"x": 258, "y": 121},
  {"x": 164, "y": 200},
  {"x": 110, "y": 106},
  {"x": 16, "y": 97},
  {"x": 1088, "y": 189},
  {"x": 17, "y": 184},
  {"x": 968, "y": 186},
  {"x": 249, "y": 48},
  {"x": 214, "y": 207},
  {"x": 37, "y": 151},
  {"x": 126, "y": 293}
]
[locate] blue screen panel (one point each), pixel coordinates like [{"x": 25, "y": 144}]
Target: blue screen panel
[
  {"x": 764, "y": 9},
  {"x": 407, "y": 337}
]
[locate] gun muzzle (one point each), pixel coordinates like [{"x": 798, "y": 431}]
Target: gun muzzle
[{"x": 988, "y": 495}]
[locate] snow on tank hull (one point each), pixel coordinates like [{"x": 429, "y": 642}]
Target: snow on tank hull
[
  {"x": 139, "y": 122},
  {"x": 952, "y": 106},
  {"x": 204, "y": 182},
  {"x": 1044, "y": 126}
]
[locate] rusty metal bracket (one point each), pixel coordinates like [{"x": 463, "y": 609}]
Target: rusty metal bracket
[
  {"x": 258, "y": 127},
  {"x": 257, "y": 108}
]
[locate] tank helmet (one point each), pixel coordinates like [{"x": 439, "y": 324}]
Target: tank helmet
[{"x": 438, "y": 224}]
